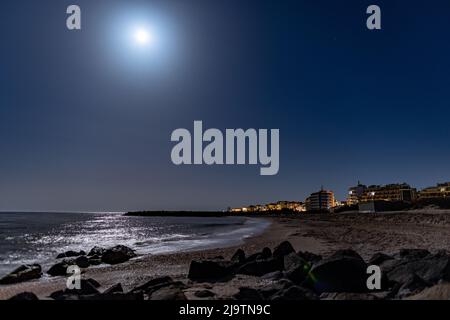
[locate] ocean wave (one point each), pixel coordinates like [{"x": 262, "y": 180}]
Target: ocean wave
[
  {"x": 150, "y": 235},
  {"x": 165, "y": 238},
  {"x": 212, "y": 225}
]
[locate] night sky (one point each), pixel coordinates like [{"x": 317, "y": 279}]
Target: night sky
[{"x": 85, "y": 118}]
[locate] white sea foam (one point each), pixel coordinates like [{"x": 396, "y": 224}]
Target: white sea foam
[{"x": 38, "y": 237}]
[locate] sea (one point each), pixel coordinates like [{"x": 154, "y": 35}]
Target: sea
[{"x": 38, "y": 237}]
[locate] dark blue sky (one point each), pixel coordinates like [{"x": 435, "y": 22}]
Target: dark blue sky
[{"x": 85, "y": 121}]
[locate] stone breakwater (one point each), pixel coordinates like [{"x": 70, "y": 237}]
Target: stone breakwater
[{"x": 285, "y": 274}]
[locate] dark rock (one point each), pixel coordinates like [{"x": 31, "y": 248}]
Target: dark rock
[
  {"x": 310, "y": 257},
  {"x": 117, "y": 288},
  {"x": 154, "y": 282},
  {"x": 399, "y": 275},
  {"x": 59, "y": 269},
  {"x": 210, "y": 270},
  {"x": 253, "y": 257},
  {"x": 239, "y": 256},
  {"x": 378, "y": 258},
  {"x": 386, "y": 285},
  {"x": 168, "y": 293},
  {"x": 283, "y": 249},
  {"x": 339, "y": 273},
  {"x": 95, "y": 261},
  {"x": 93, "y": 282},
  {"x": 118, "y": 254},
  {"x": 23, "y": 273},
  {"x": 292, "y": 260},
  {"x": 61, "y": 295},
  {"x": 431, "y": 269},
  {"x": 24, "y": 296},
  {"x": 275, "y": 287},
  {"x": 413, "y": 285},
  {"x": 266, "y": 253},
  {"x": 294, "y": 293},
  {"x": 413, "y": 254},
  {"x": 248, "y": 294},
  {"x": 261, "y": 267},
  {"x": 114, "y": 293},
  {"x": 87, "y": 287},
  {"x": 204, "y": 294},
  {"x": 218, "y": 258},
  {"x": 97, "y": 251},
  {"x": 276, "y": 275},
  {"x": 389, "y": 265},
  {"x": 346, "y": 253},
  {"x": 82, "y": 261},
  {"x": 297, "y": 268},
  {"x": 86, "y": 292},
  {"x": 70, "y": 253}
]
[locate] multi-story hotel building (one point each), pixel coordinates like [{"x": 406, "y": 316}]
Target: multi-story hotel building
[
  {"x": 390, "y": 192},
  {"x": 355, "y": 193},
  {"x": 321, "y": 200},
  {"x": 441, "y": 190}
]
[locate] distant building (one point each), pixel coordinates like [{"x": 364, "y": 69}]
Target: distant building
[
  {"x": 390, "y": 192},
  {"x": 272, "y": 207},
  {"x": 298, "y": 206},
  {"x": 441, "y": 190},
  {"x": 321, "y": 200},
  {"x": 294, "y": 206},
  {"x": 289, "y": 205},
  {"x": 340, "y": 203},
  {"x": 355, "y": 193}
]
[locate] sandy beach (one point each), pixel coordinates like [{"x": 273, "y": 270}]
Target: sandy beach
[{"x": 319, "y": 234}]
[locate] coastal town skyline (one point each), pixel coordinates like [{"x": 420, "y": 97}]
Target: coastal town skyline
[
  {"x": 439, "y": 189},
  {"x": 325, "y": 199}
]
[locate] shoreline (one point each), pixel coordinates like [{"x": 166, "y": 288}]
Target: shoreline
[
  {"x": 318, "y": 234},
  {"x": 144, "y": 267}
]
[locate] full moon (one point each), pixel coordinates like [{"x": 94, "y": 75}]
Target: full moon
[{"x": 143, "y": 37}]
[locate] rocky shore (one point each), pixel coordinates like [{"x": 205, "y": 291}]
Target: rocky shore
[
  {"x": 96, "y": 256},
  {"x": 313, "y": 258},
  {"x": 285, "y": 274}
]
